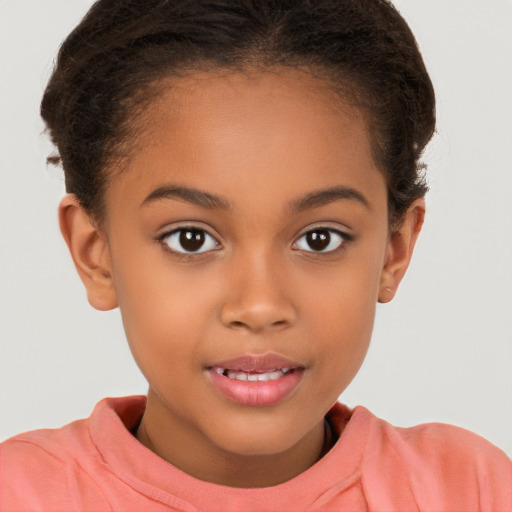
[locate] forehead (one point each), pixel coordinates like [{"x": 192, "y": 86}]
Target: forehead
[
  {"x": 249, "y": 134},
  {"x": 252, "y": 107}
]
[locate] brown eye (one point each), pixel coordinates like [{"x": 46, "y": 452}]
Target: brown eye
[
  {"x": 321, "y": 240},
  {"x": 318, "y": 240},
  {"x": 190, "y": 240}
]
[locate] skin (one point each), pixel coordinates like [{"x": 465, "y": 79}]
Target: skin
[{"x": 261, "y": 142}]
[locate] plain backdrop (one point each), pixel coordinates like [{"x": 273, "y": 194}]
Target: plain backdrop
[{"x": 441, "y": 351}]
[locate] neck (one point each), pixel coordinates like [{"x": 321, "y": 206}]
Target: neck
[{"x": 191, "y": 452}]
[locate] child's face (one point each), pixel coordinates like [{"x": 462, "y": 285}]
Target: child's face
[{"x": 257, "y": 284}]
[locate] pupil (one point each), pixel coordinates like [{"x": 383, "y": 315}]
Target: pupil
[
  {"x": 191, "y": 239},
  {"x": 318, "y": 240}
]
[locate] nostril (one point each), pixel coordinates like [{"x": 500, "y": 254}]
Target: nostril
[
  {"x": 257, "y": 313},
  {"x": 242, "y": 325}
]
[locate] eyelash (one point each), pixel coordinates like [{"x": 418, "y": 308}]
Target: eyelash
[{"x": 345, "y": 240}]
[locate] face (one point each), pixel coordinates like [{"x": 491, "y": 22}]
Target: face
[{"x": 247, "y": 240}]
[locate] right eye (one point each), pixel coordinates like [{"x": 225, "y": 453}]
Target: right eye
[{"x": 189, "y": 241}]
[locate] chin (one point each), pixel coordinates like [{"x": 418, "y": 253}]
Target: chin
[{"x": 257, "y": 438}]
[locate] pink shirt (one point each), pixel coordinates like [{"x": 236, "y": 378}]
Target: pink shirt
[{"x": 97, "y": 465}]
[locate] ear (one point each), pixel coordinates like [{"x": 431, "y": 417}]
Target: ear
[
  {"x": 90, "y": 252},
  {"x": 399, "y": 251}
]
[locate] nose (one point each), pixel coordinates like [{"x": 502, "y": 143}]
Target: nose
[{"x": 257, "y": 296}]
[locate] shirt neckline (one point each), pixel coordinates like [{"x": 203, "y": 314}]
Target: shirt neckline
[{"x": 143, "y": 470}]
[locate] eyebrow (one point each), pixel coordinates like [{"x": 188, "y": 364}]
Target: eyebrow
[
  {"x": 189, "y": 195},
  {"x": 209, "y": 201},
  {"x": 322, "y": 197}
]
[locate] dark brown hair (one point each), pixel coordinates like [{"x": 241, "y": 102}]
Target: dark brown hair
[{"x": 109, "y": 68}]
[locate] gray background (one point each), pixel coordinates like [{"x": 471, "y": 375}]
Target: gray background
[{"x": 442, "y": 350}]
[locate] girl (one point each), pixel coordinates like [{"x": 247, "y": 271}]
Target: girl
[{"x": 244, "y": 185}]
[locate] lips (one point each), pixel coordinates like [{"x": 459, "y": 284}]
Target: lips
[{"x": 256, "y": 380}]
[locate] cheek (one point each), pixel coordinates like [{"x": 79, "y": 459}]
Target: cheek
[
  {"x": 343, "y": 311},
  {"x": 342, "y": 341},
  {"x": 344, "y": 319},
  {"x": 164, "y": 312}
]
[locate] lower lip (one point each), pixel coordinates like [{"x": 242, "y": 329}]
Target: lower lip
[{"x": 256, "y": 393}]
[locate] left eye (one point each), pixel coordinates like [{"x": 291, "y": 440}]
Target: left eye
[
  {"x": 321, "y": 240},
  {"x": 190, "y": 240}
]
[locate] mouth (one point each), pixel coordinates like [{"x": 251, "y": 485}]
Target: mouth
[
  {"x": 253, "y": 376},
  {"x": 256, "y": 380}
]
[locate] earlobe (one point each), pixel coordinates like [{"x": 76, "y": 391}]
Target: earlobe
[
  {"x": 90, "y": 252},
  {"x": 399, "y": 251}
]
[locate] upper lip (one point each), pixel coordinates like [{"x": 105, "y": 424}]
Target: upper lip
[{"x": 257, "y": 363}]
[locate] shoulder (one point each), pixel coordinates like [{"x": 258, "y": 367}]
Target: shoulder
[
  {"x": 35, "y": 467},
  {"x": 64, "y": 469},
  {"x": 451, "y": 449},
  {"x": 444, "y": 466},
  {"x": 436, "y": 443},
  {"x": 51, "y": 447}
]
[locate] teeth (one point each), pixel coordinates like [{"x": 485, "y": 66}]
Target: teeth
[{"x": 253, "y": 376}]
